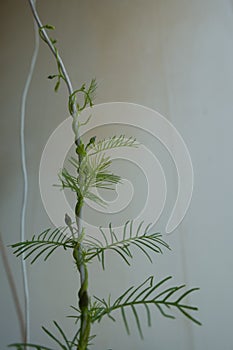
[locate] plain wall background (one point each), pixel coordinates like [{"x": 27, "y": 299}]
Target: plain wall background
[{"x": 171, "y": 55}]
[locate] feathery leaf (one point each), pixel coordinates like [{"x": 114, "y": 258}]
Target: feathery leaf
[
  {"x": 147, "y": 243},
  {"x": 146, "y": 294},
  {"x": 110, "y": 143},
  {"x": 47, "y": 242}
]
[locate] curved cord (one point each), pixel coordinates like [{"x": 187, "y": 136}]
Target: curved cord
[{"x": 25, "y": 179}]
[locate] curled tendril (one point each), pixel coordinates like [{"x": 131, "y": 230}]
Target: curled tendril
[{"x": 88, "y": 96}]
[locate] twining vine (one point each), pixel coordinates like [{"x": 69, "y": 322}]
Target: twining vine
[{"x": 91, "y": 169}]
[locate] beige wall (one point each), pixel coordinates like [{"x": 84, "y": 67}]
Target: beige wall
[{"x": 171, "y": 55}]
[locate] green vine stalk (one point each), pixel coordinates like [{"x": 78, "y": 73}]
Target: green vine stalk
[{"x": 91, "y": 170}]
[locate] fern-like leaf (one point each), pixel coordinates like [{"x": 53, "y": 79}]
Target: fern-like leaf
[
  {"x": 146, "y": 294},
  {"x": 146, "y": 242},
  {"x": 69, "y": 181},
  {"x": 93, "y": 173},
  {"x": 110, "y": 143},
  {"x": 45, "y": 244}
]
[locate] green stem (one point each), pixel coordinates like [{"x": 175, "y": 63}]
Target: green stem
[
  {"x": 85, "y": 326},
  {"x": 78, "y": 252},
  {"x": 85, "y": 318}
]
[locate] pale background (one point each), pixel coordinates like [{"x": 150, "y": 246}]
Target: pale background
[{"x": 171, "y": 55}]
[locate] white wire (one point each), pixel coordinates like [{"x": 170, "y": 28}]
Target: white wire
[{"x": 25, "y": 179}]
